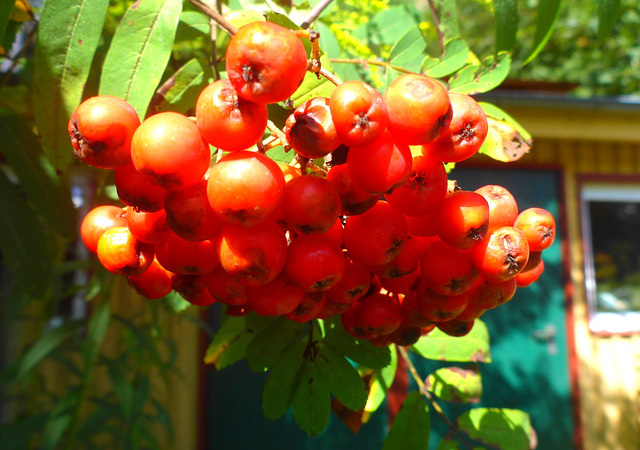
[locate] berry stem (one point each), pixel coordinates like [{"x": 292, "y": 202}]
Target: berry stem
[
  {"x": 329, "y": 76},
  {"x": 215, "y": 16},
  {"x": 277, "y": 132}
]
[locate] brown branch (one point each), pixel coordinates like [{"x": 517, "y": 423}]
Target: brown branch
[
  {"x": 215, "y": 16},
  {"x": 330, "y": 76},
  {"x": 315, "y": 13}
]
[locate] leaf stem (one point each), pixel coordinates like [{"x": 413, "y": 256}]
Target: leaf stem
[
  {"x": 215, "y": 16},
  {"x": 366, "y": 62}
]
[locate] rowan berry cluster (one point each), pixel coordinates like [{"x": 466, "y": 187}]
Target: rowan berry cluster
[{"x": 378, "y": 234}]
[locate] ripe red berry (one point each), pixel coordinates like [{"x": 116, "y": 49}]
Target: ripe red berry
[
  {"x": 503, "y": 208},
  {"x": 314, "y": 263},
  {"x": 310, "y": 204},
  {"x": 98, "y": 220},
  {"x": 376, "y": 236},
  {"x": 379, "y": 166},
  {"x": 419, "y": 109},
  {"x": 502, "y": 255},
  {"x": 265, "y": 62},
  {"x": 539, "y": 227},
  {"x": 186, "y": 257},
  {"x": 466, "y": 132},
  {"x": 168, "y": 150},
  {"x": 359, "y": 113},
  {"x": 310, "y": 130},
  {"x": 101, "y": 129},
  {"x": 463, "y": 219},
  {"x": 122, "y": 254},
  {"x": 448, "y": 270},
  {"x": 277, "y": 297},
  {"x": 153, "y": 283},
  {"x": 149, "y": 227},
  {"x": 134, "y": 189},
  {"x": 245, "y": 188},
  {"x": 227, "y": 121}
]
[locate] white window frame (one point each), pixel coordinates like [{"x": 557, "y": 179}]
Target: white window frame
[{"x": 604, "y": 322}]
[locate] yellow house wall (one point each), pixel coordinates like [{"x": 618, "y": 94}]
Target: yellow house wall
[{"x": 608, "y": 367}]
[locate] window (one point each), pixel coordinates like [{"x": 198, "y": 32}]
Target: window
[{"x": 611, "y": 239}]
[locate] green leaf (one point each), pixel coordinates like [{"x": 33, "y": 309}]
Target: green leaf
[
  {"x": 548, "y": 12},
  {"x": 498, "y": 428},
  {"x": 47, "y": 191},
  {"x": 123, "y": 389},
  {"x": 5, "y": 12},
  {"x": 408, "y": 51},
  {"x": 456, "y": 53},
  {"x": 267, "y": 345},
  {"x": 229, "y": 345},
  {"x": 448, "y": 443},
  {"x": 343, "y": 379},
  {"x": 23, "y": 241},
  {"x": 360, "y": 351},
  {"x": 455, "y": 384},
  {"x": 382, "y": 381},
  {"x": 389, "y": 23},
  {"x": 475, "y": 79},
  {"x": 19, "y": 435},
  {"x": 98, "y": 324},
  {"x": 440, "y": 346},
  {"x": 139, "y": 52},
  {"x": 193, "y": 25},
  {"x": 180, "y": 92},
  {"x": 175, "y": 302},
  {"x": 282, "y": 382},
  {"x": 59, "y": 419},
  {"x": 411, "y": 427},
  {"x": 68, "y": 35},
  {"x": 506, "y": 24},
  {"x": 279, "y": 155},
  {"x": 43, "y": 347},
  {"x": 311, "y": 404},
  {"x": 608, "y": 13},
  {"x": 506, "y": 140}
]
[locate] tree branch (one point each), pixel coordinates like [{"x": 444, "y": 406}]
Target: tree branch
[
  {"x": 215, "y": 16},
  {"x": 315, "y": 13}
]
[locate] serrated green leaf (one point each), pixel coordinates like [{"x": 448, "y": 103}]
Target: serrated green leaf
[
  {"x": 181, "y": 91},
  {"x": 5, "y": 12},
  {"x": 474, "y": 80},
  {"x": 193, "y": 25},
  {"x": 271, "y": 342},
  {"x": 68, "y": 35},
  {"x": 282, "y": 382},
  {"x": 48, "y": 192},
  {"x": 498, "y": 428},
  {"x": 506, "y": 24},
  {"x": 139, "y": 52},
  {"x": 382, "y": 381},
  {"x": 456, "y": 384},
  {"x": 456, "y": 53},
  {"x": 389, "y": 23},
  {"x": 311, "y": 404},
  {"x": 360, "y": 351},
  {"x": 411, "y": 427},
  {"x": 440, "y": 346},
  {"x": 343, "y": 379},
  {"x": 608, "y": 13},
  {"x": 548, "y": 12},
  {"x": 23, "y": 241},
  {"x": 408, "y": 51}
]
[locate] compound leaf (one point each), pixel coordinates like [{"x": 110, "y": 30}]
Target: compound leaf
[
  {"x": 506, "y": 24},
  {"x": 475, "y": 79},
  {"x": 548, "y": 11},
  {"x": 229, "y": 344},
  {"x": 271, "y": 342},
  {"x": 360, "y": 351},
  {"x": 408, "y": 51},
  {"x": 456, "y": 53},
  {"x": 180, "y": 92}
]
